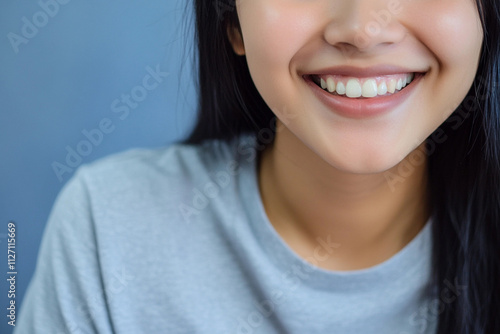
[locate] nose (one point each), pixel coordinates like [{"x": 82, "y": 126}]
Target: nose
[{"x": 364, "y": 25}]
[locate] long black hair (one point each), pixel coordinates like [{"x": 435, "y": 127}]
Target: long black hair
[{"x": 464, "y": 166}]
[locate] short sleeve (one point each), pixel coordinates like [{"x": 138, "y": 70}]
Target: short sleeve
[{"x": 66, "y": 293}]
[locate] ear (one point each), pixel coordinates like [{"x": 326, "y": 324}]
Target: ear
[{"x": 236, "y": 39}]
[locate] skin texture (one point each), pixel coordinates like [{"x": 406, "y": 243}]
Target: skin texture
[{"x": 327, "y": 174}]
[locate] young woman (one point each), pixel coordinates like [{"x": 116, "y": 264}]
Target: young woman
[{"x": 343, "y": 177}]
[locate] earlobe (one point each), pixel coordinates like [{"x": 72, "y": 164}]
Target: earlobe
[{"x": 236, "y": 40}]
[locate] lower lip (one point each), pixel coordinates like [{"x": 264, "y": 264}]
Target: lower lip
[{"x": 363, "y": 107}]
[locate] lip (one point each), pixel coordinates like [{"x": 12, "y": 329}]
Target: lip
[
  {"x": 363, "y": 107},
  {"x": 358, "y": 72}
]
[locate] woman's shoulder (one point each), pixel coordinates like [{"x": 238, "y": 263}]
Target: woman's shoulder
[
  {"x": 174, "y": 159},
  {"x": 167, "y": 171}
]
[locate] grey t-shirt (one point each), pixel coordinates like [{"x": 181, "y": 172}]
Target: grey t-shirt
[{"x": 176, "y": 240}]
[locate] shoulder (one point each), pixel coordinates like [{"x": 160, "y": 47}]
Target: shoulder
[
  {"x": 173, "y": 161},
  {"x": 147, "y": 180}
]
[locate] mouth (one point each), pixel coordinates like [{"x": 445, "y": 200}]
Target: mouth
[
  {"x": 363, "y": 97},
  {"x": 363, "y": 88}
]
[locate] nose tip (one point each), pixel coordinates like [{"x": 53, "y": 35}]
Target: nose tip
[{"x": 360, "y": 26}]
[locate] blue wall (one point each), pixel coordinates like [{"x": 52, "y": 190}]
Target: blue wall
[{"x": 69, "y": 76}]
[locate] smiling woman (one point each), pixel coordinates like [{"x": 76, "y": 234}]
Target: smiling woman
[
  {"x": 343, "y": 176},
  {"x": 344, "y": 141},
  {"x": 439, "y": 40}
]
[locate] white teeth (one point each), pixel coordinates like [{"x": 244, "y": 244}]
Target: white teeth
[
  {"x": 399, "y": 85},
  {"x": 330, "y": 84},
  {"x": 369, "y": 88},
  {"x": 353, "y": 88},
  {"x": 382, "y": 89},
  {"x": 391, "y": 87},
  {"x": 409, "y": 78},
  {"x": 340, "y": 88}
]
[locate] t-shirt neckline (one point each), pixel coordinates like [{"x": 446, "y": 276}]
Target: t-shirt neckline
[{"x": 413, "y": 258}]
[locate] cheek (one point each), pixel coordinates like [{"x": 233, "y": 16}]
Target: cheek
[
  {"x": 450, "y": 29},
  {"x": 282, "y": 30}
]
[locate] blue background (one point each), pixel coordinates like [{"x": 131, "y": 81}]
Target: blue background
[{"x": 63, "y": 81}]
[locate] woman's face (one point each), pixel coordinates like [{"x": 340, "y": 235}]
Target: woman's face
[{"x": 361, "y": 49}]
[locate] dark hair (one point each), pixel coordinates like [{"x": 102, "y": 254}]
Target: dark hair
[
  {"x": 464, "y": 169},
  {"x": 229, "y": 103}
]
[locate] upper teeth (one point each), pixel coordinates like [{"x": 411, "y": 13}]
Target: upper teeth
[{"x": 365, "y": 87}]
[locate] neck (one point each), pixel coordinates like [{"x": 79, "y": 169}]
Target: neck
[{"x": 366, "y": 215}]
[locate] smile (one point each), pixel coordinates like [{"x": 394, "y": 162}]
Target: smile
[
  {"x": 356, "y": 95},
  {"x": 363, "y": 87}
]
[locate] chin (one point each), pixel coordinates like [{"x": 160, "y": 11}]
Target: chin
[
  {"x": 365, "y": 168},
  {"x": 363, "y": 162}
]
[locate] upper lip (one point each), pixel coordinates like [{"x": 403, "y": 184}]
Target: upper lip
[{"x": 361, "y": 72}]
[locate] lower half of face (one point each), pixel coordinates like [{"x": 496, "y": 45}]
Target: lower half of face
[{"x": 361, "y": 84}]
